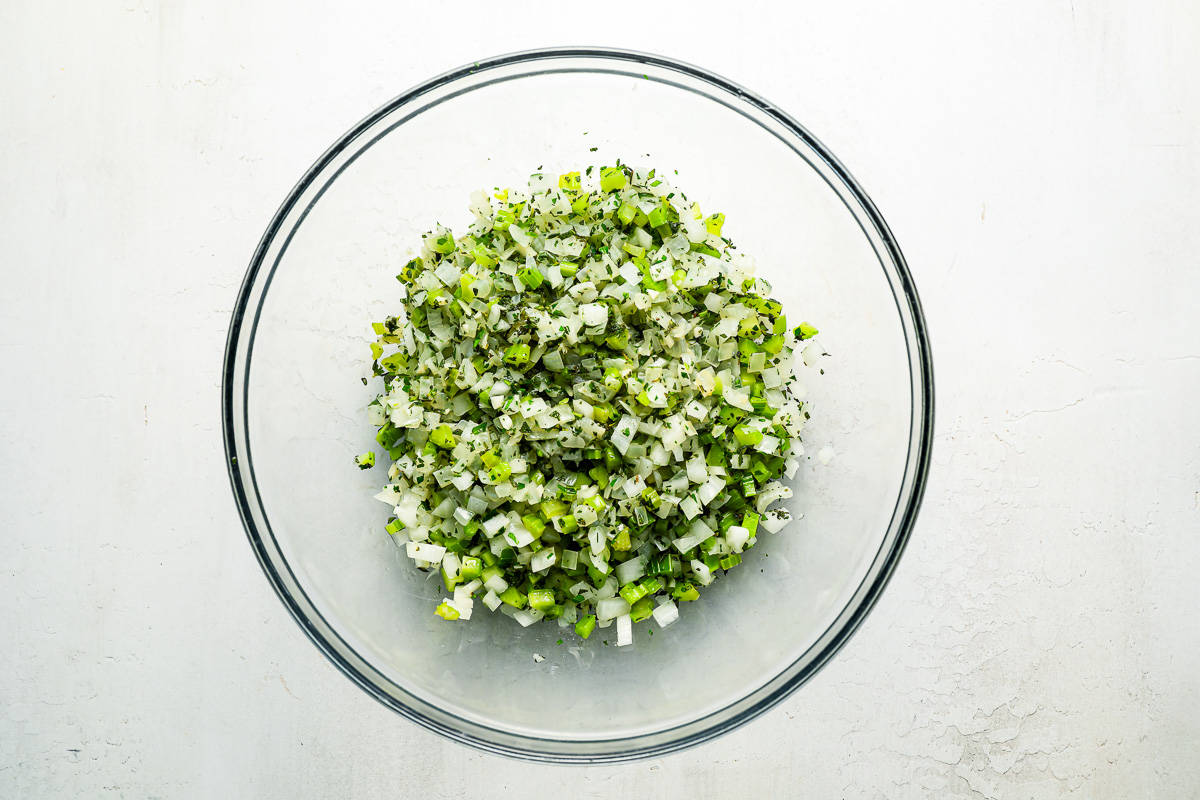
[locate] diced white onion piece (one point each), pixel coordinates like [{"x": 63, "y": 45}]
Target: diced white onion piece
[
  {"x": 528, "y": 616},
  {"x": 623, "y": 433},
  {"x": 665, "y": 614},
  {"x": 709, "y": 490},
  {"x": 773, "y": 522},
  {"x": 737, "y": 536},
  {"x": 737, "y": 398},
  {"x": 769, "y": 444},
  {"x": 657, "y": 395},
  {"x": 695, "y": 535},
  {"x": 630, "y": 570},
  {"x": 542, "y": 560},
  {"x": 624, "y": 630},
  {"x": 772, "y": 493},
  {"x": 424, "y": 551},
  {"x": 491, "y": 600},
  {"x": 593, "y": 314},
  {"x": 611, "y": 608},
  {"x": 703, "y": 574},
  {"x": 689, "y": 507},
  {"x": 518, "y": 535}
]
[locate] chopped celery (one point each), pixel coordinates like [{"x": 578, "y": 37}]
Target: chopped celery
[
  {"x": 446, "y": 611},
  {"x": 585, "y": 625}
]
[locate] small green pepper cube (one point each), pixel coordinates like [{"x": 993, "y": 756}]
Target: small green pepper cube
[
  {"x": 513, "y": 597},
  {"x": 599, "y": 475},
  {"x": 394, "y": 363},
  {"x": 773, "y": 344},
  {"x": 443, "y": 437},
  {"x": 626, "y": 213},
  {"x": 612, "y": 459},
  {"x": 641, "y": 609},
  {"x": 685, "y": 591},
  {"x": 806, "y": 331},
  {"x": 534, "y": 524},
  {"x": 531, "y": 277},
  {"x": 612, "y": 179},
  {"x": 651, "y": 496},
  {"x": 730, "y": 415},
  {"x": 541, "y": 599},
  {"x": 483, "y": 256},
  {"x": 504, "y": 218},
  {"x": 365, "y": 460},
  {"x": 500, "y": 472},
  {"x": 621, "y": 541},
  {"x": 471, "y": 568},
  {"x": 747, "y": 436},
  {"x": 517, "y": 355},
  {"x": 603, "y": 412},
  {"x": 750, "y": 327},
  {"x": 714, "y": 224}
]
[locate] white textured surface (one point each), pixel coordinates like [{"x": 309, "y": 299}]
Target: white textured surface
[{"x": 1040, "y": 165}]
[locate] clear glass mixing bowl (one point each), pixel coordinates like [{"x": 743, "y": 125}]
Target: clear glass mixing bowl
[{"x": 293, "y": 405}]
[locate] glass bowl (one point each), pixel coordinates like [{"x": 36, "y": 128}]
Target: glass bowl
[{"x": 294, "y": 405}]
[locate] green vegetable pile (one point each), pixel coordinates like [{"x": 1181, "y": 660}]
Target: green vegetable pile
[{"x": 587, "y": 403}]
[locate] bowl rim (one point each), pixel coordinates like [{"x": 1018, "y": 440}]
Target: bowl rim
[{"x": 917, "y": 466}]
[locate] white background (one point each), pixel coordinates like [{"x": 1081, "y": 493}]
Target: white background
[{"x": 1040, "y": 164}]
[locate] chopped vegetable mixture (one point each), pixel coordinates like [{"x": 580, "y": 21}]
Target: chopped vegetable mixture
[{"x": 588, "y": 403}]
